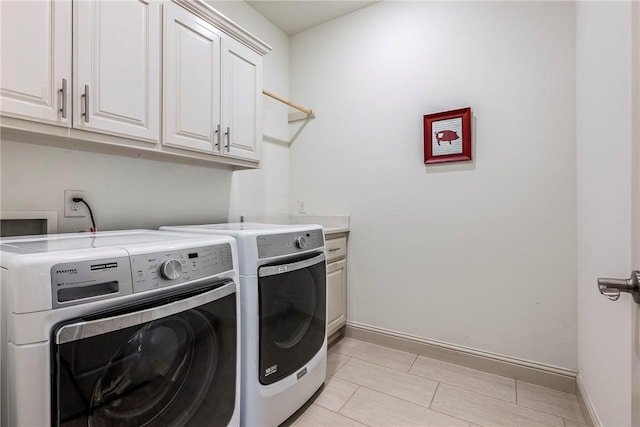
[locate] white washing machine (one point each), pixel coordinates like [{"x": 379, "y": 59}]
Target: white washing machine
[
  {"x": 119, "y": 329},
  {"x": 283, "y": 292}
]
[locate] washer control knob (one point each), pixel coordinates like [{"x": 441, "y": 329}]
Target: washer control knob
[
  {"x": 171, "y": 269},
  {"x": 301, "y": 242}
]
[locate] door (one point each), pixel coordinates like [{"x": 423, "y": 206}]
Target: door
[
  {"x": 608, "y": 206},
  {"x": 292, "y": 311},
  {"x": 35, "y": 71},
  {"x": 191, "y": 81},
  {"x": 170, "y": 362},
  {"x": 336, "y": 295},
  {"x": 117, "y": 74},
  {"x": 635, "y": 357},
  {"x": 242, "y": 100}
]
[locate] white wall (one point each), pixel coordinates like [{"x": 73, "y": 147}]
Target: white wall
[
  {"x": 264, "y": 191},
  {"x": 129, "y": 192},
  {"x": 123, "y": 192},
  {"x": 477, "y": 254},
  {"x": 604, "y": 159}
]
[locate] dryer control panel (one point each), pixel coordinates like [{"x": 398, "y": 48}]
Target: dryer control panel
[
  {"x": 156, "y": 270},
  {"x": 272, "y": 245}
]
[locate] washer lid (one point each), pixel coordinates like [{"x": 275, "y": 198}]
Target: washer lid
[
  {"x": 240, "y": 226},
  {"x": 243, "y": 228},
  {"x": 73, "y": 241}
]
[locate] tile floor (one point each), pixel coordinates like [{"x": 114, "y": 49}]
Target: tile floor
[{"x": 372, "y": 385}]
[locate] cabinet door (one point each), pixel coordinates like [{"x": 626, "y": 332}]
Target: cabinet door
[
  {"x": 36, "y": 60},
  {"x": 117, "y": 74},
  {"x": 242, "y": 100},
  {"x": 191, "y": 81},
  {"x": 336, "y": 295}
]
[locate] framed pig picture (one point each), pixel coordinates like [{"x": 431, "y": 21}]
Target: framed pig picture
[{"x": 447, "y": 136}]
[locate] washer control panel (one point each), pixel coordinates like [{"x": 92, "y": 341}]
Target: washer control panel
[
  {"x": 171, "y": 269},
  {"x": 272, "y": 245},
  {"x": 74, "y": 282},
  {"x": 156, "y": 270}
]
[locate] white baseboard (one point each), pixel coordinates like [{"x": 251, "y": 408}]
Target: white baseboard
[
  {"x": 586, "y": 405},
  {"x": 536, "y": 373}
]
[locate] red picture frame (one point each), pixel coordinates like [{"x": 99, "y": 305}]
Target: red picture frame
[{"x": 447, "y": 136}]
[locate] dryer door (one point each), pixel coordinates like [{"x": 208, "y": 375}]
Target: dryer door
[
  {"x": 167, "y": 363},
  {"x": 292, "y": 316}
]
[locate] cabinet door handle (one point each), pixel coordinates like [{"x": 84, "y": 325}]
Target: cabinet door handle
[
  {"x": 63, "y": 91},
  {"x": 217, "y": 132},
  {"x": 335, "y": 249},
  {"x": 228, "y": 134},
  {"x": 85, "y": 95}
]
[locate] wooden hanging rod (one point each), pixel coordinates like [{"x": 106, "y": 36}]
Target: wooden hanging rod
[{"x": 307, "y": 111}]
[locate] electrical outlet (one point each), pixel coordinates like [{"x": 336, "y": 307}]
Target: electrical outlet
[
  {"x": 71, "y": 209},
  {"x": 301, "y": 207}
]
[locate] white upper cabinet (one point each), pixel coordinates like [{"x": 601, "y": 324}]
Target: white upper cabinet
[
  {"x": 36, "y": 60},
  {"x": 212, "y": 88},
  {"x": 109, "y": 71},
  {"x": 191, "y": 81},
  {"x": 117, "y": 67},
  {"x": 242, "y": 100}
]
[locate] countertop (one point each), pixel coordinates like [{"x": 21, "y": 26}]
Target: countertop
[{"x": 328, "y": 231}]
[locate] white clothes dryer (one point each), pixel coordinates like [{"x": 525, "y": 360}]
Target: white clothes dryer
[
  {"x": 119, "y": 329},
  {"x": 283, "y": 292}
]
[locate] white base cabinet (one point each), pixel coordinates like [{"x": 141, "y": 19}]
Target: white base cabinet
[
  {"x": 336, "y": 296},
  {"x": 336, "y": 247}
]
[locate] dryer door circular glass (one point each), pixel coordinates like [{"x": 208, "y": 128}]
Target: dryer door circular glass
[
  {"x": 293, "y": 310},
  {"x": 152, "y": 369}
]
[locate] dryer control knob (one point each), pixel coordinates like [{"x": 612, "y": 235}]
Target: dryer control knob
[
  {"x": 171, "y": 269},
  {"x": 301, "y": 242}
]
